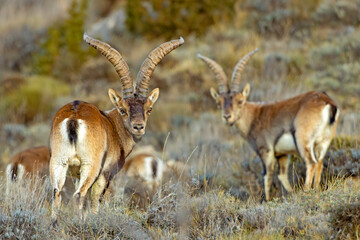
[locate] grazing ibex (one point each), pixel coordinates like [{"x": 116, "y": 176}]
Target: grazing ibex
[
  {"x": 93, "y": 144},
  {"x": 304, "y": 124},
  {"x": 146, "y": 173},
  {"x": 143, "y": 163},
  {"x": 28, "y": 163}
]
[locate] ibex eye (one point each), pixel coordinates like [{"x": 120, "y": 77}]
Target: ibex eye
[
  {"x": 240, "y": 102},
  {"x": 149, "y": 111},
  {"x": 122, "y": 111}
]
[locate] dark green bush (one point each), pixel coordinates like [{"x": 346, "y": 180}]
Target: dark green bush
[
  {"x": 34, "y": 98},
  {"x": 169, "y": 19},
  {"x": 63, "y": 50},
  {"x": 338, "y": 12}
]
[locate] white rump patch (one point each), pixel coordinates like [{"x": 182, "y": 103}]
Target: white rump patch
[
  {"x": 18, "y": 175},
  {"x": 20, "y": 172},
  {"x": 285, "y": 144},
  {"x": 160, "y": 170},
  {"x": 148, "y": 173},
  {"x": 81, "y": 131},
  {"x": 63, "y": 130},
  {"x": 148, "y": 176},
  {"x": 8, "y": 172}
]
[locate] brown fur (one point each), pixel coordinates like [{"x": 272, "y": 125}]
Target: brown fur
[
  {"x": 142, "y": 184},
  {"x": 304, "y": 124},
  {"x": 109, "y": 139},
  {"x": 35, "y": 161},
  {"x": 263, "y": 125},
  {"x": 92, "y": 144}
]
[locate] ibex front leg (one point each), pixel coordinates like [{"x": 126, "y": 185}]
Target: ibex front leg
[
  {"x": 283, "y": 174},
  {"x": 269, "y": 161},
  {"x": 97, "y": 190}
]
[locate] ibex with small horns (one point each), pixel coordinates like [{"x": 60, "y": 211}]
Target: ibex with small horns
[
  {"x": 304, "y": 124},
  {"x": 29, "y": 163},
  {"x": 93, "y": 144}
]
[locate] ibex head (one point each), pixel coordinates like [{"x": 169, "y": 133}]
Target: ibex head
[
  {"x": 134, "y": 106},
  {"x": 229, "y": 99}
]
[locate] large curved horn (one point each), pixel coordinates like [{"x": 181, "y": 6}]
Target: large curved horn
[
  {"x": 218, "y": 71},
  {"x": 149, "y": 64},
  {"x": 235, "y": 79},
  {"x": 117, "y": 61}
]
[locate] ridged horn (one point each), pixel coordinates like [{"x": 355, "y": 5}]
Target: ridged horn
[
  {"x": 235, "y": 78},
  {"x": 117, "y": 61},
  {"x": 149, "y": 64},
  {"x": 218, "y": 71}
]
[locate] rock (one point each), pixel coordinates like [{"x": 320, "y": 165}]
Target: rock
[{"x": 109, "y": 26}]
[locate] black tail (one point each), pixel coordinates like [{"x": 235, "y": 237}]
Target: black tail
[
  {"x": 72, "y": 131},
  {"x": 333, "y": 112}
]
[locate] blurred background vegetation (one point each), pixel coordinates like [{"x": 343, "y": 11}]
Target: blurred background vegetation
[{"x": 303, "y": 45}]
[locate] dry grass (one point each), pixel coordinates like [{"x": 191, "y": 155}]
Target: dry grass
[
  {"x": 34, "y": 14},
  {"x": 177, "y": 214},
  {"x": 185, "y": 125}
]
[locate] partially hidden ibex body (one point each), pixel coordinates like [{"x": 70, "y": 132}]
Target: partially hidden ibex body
[
  {"x": 32, "y": 162},
  {"x": 93, "y": 144},
  {"x": 304, "y": 124},
  {"x": 146, "y": 173}
]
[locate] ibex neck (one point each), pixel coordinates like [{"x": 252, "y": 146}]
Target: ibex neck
[
  {"x": 247, "y": 116},
  {"x": 123, "y": 135}
]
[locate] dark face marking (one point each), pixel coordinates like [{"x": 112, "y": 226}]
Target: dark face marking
[
  {"x": 135, "y": 111},
  {"x": 225, "y": 101},
  {"x": 230, "y": 104}
]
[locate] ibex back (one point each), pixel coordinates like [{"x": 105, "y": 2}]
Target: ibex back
[
  {"x": 93, "y": 144},
  {"x": 32, "y": 162},
  {"x": 304, "y": 124}
]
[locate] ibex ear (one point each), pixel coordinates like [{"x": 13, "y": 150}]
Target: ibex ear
[
  {"x": 246, "y": 90},
  {"x": 214, "y": 94},
  {"x": 153, "y": 96},
  {"x": 114, "y": 97}
]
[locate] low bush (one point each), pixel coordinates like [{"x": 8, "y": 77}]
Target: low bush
[
  {"x": 345, "y": 221},
  {"x": 35, "y": 98}
]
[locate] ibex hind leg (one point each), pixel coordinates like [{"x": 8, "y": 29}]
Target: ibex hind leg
[
  {"x": 58, "y": 176},
  {"x": 320, "y": 152},
  {"x": 89, "y": 171},
  {"x": 305, "y": 147},
  {"x": 322, "y": 145},
  {"x": 9, "y": 178}
]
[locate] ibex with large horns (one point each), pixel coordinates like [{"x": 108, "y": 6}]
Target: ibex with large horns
[
  {"x": 304, "y": 124},
  {"x": 93, "y": 144}
]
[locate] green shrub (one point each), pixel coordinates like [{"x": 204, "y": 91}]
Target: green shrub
[
  {"x": 36, "y": 97},
  {"x": 280, "y": 17},
  {"x": 338, "y": 12},
  {"x": 156, "y": 18},
  {"x": 63, "y": 50},
  {"x": 344, "y": 142}
]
